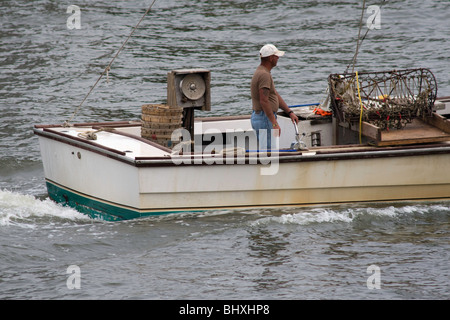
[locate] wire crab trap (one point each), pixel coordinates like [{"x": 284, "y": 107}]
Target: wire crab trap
[{"x": 386, "y": 99}]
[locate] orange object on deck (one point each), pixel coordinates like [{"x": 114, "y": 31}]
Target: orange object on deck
[{"x": 321, "y": 112}]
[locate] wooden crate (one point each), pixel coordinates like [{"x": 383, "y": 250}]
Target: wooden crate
[{"x": 429, "y": 129}]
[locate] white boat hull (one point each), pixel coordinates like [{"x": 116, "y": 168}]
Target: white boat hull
[{"x": 110, "y": 183}]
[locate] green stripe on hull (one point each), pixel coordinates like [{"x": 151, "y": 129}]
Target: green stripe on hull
[{"x": 94, "y": 208}]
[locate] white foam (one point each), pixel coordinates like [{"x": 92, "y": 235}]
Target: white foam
[
  {"x": 308, "y": 217},
  {"x": 326, "y": 215},
  {"x": 19, "y": 207}
]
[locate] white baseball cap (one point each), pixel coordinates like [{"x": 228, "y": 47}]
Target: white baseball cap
[{"x": 270, "y": 50}]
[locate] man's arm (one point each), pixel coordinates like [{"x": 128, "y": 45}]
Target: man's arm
[
  {"x": 264, "y": 101},
  {"x": 283, "y": 105}
]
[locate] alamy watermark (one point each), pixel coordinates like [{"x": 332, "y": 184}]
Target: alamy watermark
[
  {"x": 374, "y": 20},
  {"x": 74, "y": 21},
  {"x": 74, "y": 279},
  {"x": 234, "y": 146},
  {"x": 374, "y": 280}
]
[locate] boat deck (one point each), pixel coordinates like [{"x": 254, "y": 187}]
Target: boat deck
[{"x": 115, "y": 137}]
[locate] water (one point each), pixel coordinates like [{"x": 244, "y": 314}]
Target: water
[{"x": 294, "y": 253}]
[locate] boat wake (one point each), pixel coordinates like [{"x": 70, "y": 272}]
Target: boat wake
[
  {"x": 352, "y": 214},
  {"x": 24, "y": 210}
]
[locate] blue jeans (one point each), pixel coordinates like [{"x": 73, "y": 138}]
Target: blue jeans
[{"x": 263, "y": 129}]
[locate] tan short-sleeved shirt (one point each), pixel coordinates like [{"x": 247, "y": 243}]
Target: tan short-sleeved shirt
[{"x": 263, "y": 79}]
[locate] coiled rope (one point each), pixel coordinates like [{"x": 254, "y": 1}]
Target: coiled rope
[{"x": 108, "y": 67}]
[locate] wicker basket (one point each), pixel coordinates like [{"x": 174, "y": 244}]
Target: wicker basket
[{"x": 158, "y": 123}]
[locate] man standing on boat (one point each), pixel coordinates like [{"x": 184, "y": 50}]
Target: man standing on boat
[{"x": 265, "y": 99}]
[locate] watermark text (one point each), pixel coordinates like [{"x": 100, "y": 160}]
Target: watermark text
[
  {"x": 374, "y": 20},
  {"x": 374, "y": 280},
  {"x": 74, "y": 279},
  {"x": 74, "y": 21},
  {"x": 234, "y": 146}
]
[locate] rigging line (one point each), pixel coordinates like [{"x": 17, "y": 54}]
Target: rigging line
[
  {"x": 108, "y": 68},
  {"x": 358, "y": 43}
]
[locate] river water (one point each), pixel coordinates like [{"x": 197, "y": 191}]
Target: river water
[{"x": 370, "y": 251}]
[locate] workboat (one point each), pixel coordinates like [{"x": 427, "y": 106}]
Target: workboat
[{"x": 378, "y": 136}]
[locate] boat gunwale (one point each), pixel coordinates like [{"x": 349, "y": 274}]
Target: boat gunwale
[
  {"x": 325, "y": 153},
  {"x": 83, "y": 144}
]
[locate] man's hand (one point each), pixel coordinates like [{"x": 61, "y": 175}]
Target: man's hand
[
  {"x": 293, "y": 117},
  {"x": 276, "y": 130}
]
